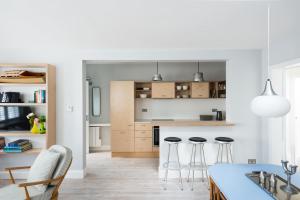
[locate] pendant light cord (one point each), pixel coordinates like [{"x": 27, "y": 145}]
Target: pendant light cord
[
  {"x": 268, "y": 44},
  {"x": 157, "y": 67},
  {"x": 198, "y": 66}
]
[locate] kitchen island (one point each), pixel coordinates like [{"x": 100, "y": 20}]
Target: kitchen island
[
  {"x": 229, "y": 181},
  {"x": 184, "y": 129}
]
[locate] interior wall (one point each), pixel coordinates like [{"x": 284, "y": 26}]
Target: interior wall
[{"x": 243, "y": 83}]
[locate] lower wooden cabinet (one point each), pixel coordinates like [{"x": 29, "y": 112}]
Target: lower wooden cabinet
[
  {"x": 143, "y": 144},
  {"x": 122, "y": 141}
]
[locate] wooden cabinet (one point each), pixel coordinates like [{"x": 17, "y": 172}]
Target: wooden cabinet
[
  {"x": 122, "y": 116},
  {"x": 200, "y": 90},
  {"x": 122, "y": 141},
  {"x": 163, "y": 90},
  {"x": 143, "y": 137}
]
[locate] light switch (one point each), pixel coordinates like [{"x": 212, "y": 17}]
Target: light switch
[{"x": 70, "y": 108}]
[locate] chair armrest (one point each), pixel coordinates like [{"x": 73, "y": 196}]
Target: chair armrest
[
  {"x": 44, "y": 182},
  {"x": 9, "y": 169},
  {"x": 16, "y": 168}
]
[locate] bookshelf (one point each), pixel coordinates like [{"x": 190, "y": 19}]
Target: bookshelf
[{"x": 48, "y": 109}]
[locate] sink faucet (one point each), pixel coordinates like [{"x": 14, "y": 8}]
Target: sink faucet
[{"x": 289, "y": 171}]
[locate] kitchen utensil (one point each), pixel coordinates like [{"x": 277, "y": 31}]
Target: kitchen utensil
[
  {"x": 185, "y": 87},
  {"x": 143, "y": 96},
  {"x": 178, "y": 87}
]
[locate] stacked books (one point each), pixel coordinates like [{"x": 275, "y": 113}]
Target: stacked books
[
  {"x": 40, "y": 96},
  {"x": 18, "y": 146}
]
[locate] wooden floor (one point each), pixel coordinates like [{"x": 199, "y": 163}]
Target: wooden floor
[{"x": 126, "y": 179}]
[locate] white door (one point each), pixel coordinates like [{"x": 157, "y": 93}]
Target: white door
[{"x": 87, "y": 123}]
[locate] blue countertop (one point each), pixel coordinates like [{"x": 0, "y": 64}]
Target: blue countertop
[{"x": 231, "y": 180}]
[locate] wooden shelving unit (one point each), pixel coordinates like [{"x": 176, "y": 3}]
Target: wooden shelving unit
[
  {"x": 182, "y": 90},
  {"x": 48, "y": 109},
  {"x": 143, "y": 88}
]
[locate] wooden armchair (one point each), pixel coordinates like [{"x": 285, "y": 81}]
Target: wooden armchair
[{"x": 28, "y": 191}]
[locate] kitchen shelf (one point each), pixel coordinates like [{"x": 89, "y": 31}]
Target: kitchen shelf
[
  {"x": 24, "y": 84},
  {"x": 20, "y": 133},
  {"x": 23, "y": 104},
  {"x": 31, "y": 151}
]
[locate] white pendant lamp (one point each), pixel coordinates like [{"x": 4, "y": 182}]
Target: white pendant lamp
[
  {"x": 157, "y": 76},
  {"x": 198, "y": 76},
  {"x": 269, "y": 104}
]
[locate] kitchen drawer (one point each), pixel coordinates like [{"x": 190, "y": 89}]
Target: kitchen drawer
[
  {"x": 143, "y": 144},
  {"x": 145, "y": 134},
  {"x": 143, "y": 126},
  {"x": 122, "y": 141}
]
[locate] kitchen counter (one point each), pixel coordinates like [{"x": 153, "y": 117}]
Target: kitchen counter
[
  {"x": 184, "y": 122},
  {"x": 232, "y": 182}
]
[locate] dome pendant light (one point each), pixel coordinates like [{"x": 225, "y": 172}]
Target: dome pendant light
[
  {"x": 198, "y": 76},
  {"x": 157, "y": 76},
  {"x": 269, "y": 104}
]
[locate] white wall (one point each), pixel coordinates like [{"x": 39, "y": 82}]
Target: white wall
[{"x": 244, "y": 69}]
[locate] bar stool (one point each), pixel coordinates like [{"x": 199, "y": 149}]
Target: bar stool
[
  {"x": 172, "y": 165},
  {"x": 224, "y": 141},
  {"x": 201, "y": 165}
]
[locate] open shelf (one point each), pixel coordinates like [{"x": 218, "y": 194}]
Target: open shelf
[
  {"x": 24, "y": 84},
  {"x": 20, "y": 133},
  {"x": 23, "y": 104},
  {"x": 31, "y": 151}
]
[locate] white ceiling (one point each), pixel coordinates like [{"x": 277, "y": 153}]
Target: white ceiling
[{"x": 143, "y": 24}]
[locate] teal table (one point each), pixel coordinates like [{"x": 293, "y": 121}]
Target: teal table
[{"x": 234, "y": 185}]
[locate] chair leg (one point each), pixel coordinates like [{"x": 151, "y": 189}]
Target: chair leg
[
  {"x": 201, "y": 162},
  {"x": 194, "y": 163},
  {"x": 218, "y": 153},
  {"x": 204, "y": 162},
  {"x": 180, "y": 178},
  {"x": 188, "y": 179},
  {"x": 167, "y": 169},
  {"x": 227, "y": 153},
  {"x": 230, "y": 153},
  {"x": 222, "y": 153}
]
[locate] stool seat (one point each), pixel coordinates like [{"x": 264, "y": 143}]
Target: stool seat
[
  {"x": 224, "y": 139},
  {"x": 197, "y": 139},
  {"x": 172, "y": 139}
]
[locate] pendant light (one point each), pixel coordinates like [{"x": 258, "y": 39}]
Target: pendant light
[
  {"x": 157, "y": 76},
  {"x": 269, "y": 104},
  {"x": 198, "y": 76}
]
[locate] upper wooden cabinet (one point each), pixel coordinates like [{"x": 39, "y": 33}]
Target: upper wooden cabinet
[
  {"x": 200, "y": 90},
  {"x": 122, "y": 105},
  {"x": 163, "y": 90}
]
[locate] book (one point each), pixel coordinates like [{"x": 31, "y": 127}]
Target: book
[
  {"x": 39, "y": 96},
  {"x": 18, "y": 143},
  {"x": 18, "y": 149}
]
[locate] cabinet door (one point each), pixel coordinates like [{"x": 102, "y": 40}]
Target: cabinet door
[
  {"x": 143, "y": 144},
  {"x": 122, "y": 141},
  {"x": 122, "y": 105},
  {"x": 163, "y": 90},
  {"x": 200, "y": 90}
]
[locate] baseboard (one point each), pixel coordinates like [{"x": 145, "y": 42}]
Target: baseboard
[
  {"x": 76, "y": 174},
  {"x": 99, "y": 149},
  {"x": 135, "y": 154},
  {"x": 72, "y": 174}
]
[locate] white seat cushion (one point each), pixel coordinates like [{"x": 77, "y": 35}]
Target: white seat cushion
[{"x": 43, "y": 168}]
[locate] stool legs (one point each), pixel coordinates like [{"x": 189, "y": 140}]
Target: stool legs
[
  {"x": 226, "y": 150},
  {"x": 179, "y": 168},
  {"x": 167, "y": 167},
  {"x": 202, "y": 163}
]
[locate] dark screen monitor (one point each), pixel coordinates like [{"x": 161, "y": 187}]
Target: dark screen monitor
[{"x": 14, "y": 118}]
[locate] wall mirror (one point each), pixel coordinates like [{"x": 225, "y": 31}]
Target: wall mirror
[{"x": 96, "y": 101}]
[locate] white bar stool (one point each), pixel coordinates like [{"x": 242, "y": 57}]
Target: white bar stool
[
  {"x": 172, "y": 165},
  {"x": 201, "y": 165}
]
